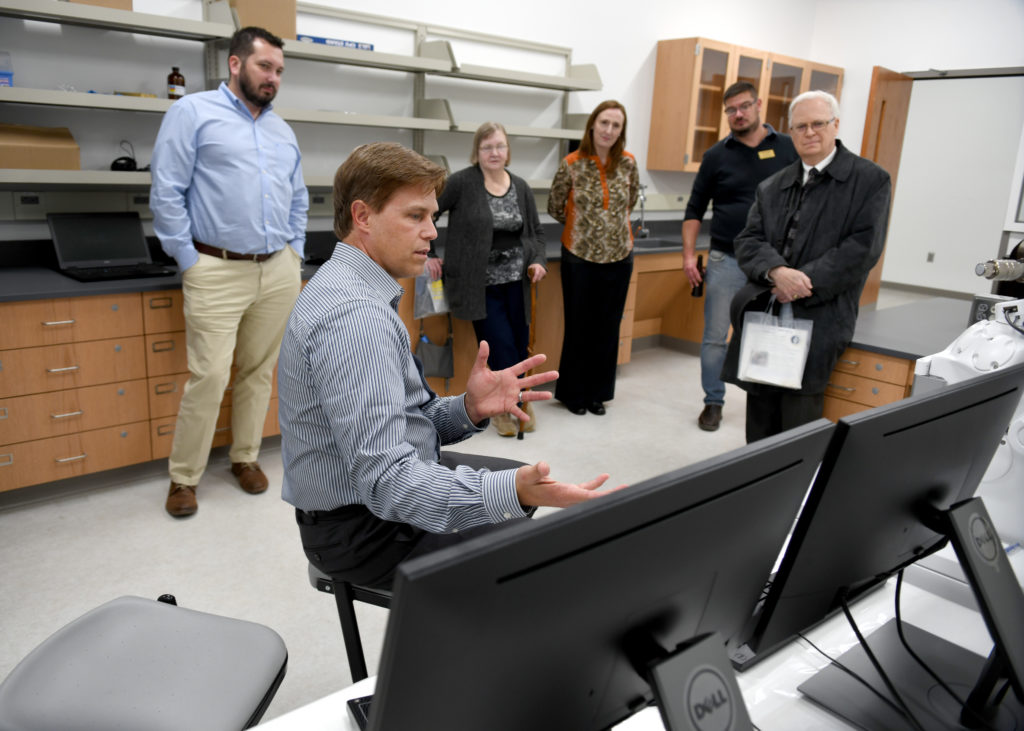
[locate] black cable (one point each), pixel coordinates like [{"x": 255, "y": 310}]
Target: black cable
[
  {"x": 878, "y": 668},
  {"x": 1014, "y": 324},
  {"x": 852, "y": 674},
  {"x": 906, "y": 645}
]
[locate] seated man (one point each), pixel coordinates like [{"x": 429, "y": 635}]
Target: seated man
[{"x": 361, "y": 431}]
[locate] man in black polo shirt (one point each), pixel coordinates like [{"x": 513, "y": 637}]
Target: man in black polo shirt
[{"x": 728, "y": 177}]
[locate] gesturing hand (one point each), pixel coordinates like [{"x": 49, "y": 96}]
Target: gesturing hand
[
  {"x": 535, "y": 487},
  {"x": 489, "y": 393}
]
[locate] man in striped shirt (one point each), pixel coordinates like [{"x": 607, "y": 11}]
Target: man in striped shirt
[{"x": 361, "y": 430}]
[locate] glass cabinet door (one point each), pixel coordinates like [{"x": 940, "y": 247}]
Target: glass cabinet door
[
  {"x": 750, "y": 68},
  {"x": 714, "y": 64},
  {"x": 783, "y": 86},
  {"x": 824, "y": 81}
]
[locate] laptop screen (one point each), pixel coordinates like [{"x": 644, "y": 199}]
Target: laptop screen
[{"x": 84, "y": 240}]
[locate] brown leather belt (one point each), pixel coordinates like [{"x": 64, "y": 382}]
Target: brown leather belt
[{"x": 225, "y": 254}]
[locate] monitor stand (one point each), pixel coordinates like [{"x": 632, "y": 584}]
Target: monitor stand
[
  {"x": 930, "y": 704},
  {"x": 972, "y": 677}
]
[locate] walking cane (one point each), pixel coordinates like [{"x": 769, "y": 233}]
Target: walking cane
[{"x": 529, "y": 347}]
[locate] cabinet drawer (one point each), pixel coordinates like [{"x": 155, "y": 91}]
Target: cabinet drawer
[
  {"x": 165, "y": 394},
  {"x": 46, "y": 460},
  {"x": 69, "y": 320},
  {"x": 166, "y": 353},
  {"x": 836, "y": 408},
  {"x": 163, "y": 312},
  {"x": 57, "y": 367},
  {"x": 43, "y": 415},
  {"x": 875, "y": 365},
  {"x": 865, "y": 391}
]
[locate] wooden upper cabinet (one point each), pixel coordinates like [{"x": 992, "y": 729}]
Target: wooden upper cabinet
[{"x": 690, "y": 80}]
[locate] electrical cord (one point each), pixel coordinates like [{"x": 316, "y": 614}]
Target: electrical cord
[
  {"x": 1016, "y": 322},
  {"x": 906, "y": 645},
  {"x": 851, "y": 673},
  {"x": 878, "y": 668}
]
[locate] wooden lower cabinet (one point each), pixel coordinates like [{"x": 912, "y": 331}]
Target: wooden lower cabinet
[
  {"x": 46, "y": 460},
  {"x": 863, "y": 379}
]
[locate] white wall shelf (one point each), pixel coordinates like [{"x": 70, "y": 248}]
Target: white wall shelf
[
  {"x": 110, "y": 18},
  {"x": 40, "y": 180}
]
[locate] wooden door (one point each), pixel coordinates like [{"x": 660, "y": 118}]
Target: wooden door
[{"x": 888, "y": 104}]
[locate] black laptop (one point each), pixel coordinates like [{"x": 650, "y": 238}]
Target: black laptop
[{"x": 93, "y": 247}]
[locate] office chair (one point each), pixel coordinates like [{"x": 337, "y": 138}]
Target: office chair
[
  {"x": 345, "y": 594},
  {"x": 135, "y": 663}
]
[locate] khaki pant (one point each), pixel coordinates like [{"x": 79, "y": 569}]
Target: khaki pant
[{"x": 232, "y": 308}]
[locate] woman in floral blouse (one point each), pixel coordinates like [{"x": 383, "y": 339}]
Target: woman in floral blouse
[{"x": 593, "y": 194}]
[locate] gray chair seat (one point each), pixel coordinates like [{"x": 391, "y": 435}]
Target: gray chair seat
[{"x": 136, "y": 664}]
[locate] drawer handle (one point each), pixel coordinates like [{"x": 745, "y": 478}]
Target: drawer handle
[
  {"x": 70, "y": 459},
  {"x": 222, "y": 430},
  {"x": 6, "y": 459},
  {"x": 164, "y": 429},
  {"x": 162, "y": 388},
  {"x": 163, "y": 346},
  {"x": 849, "y": 362},
  {"x": 62, "y": 370},
  {"x": 848, "y": 389},
  {"x": 3, "y": 412},
  {"x": 160, "y": 303},
  {"x": 65, "y": 416},
  {"x": 54, "y": 323}
]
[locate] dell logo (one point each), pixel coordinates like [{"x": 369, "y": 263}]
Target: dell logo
[{"x": 709, "y": 701}]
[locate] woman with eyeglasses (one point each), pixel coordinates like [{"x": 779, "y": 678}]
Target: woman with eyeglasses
[
  {"x": 494, "y": 249},
  {"x": 593, "y": 194}
]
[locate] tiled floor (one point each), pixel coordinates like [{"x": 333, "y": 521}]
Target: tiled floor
[{"x": 67, "y": 548}]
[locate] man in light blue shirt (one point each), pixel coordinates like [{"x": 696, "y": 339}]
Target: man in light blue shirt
[
  {"x": 230, "y": 205},
  {"x": 361, "y": 431}
]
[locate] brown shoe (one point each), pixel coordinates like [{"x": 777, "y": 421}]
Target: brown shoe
[
  {"x": 181, "y": 500},
  {"x": 250, "y": 477},
  {"x": 710, "y": 417},
  {"x": 506, "y": 424}
]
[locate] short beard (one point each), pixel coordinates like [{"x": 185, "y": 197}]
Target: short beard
[{"x": 251, "y": 92}]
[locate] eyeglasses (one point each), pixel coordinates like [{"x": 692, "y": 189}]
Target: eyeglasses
[
  {"x": 488, "y": 149},
  {"x": 815, "y": 126},
  {"x": 733, "y": 111}
]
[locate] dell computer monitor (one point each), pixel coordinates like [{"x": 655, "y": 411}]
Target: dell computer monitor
[
  {"x": 867, "y": 515},
  {"x": 880, "y": 501},
  {"x": 548, "y": 623}
]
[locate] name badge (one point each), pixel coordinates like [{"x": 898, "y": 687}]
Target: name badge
[{"x": 765, "y": 154}]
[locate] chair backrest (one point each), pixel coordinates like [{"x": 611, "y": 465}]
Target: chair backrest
[{"x": 135, "y": 663}]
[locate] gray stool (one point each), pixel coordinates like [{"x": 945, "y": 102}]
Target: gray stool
[
  {"x": 135, "y": 663},
  {"x": 344, "y": 596}
]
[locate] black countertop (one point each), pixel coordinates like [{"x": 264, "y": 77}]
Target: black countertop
[{"x": 913, "y": 330}]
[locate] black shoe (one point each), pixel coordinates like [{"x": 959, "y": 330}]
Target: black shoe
[
  {"x": 596, "y": 408},
  {"x": 578, "y": 410},
  {"x": 710, "y": 417}
]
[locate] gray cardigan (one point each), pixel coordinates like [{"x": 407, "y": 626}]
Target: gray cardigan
[{"x": 468, "y": 240}]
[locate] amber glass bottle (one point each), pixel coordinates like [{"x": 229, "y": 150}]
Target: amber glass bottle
[{"x": 175, "y": 84}]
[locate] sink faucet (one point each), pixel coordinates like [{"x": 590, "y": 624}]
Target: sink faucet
[{"x": 642, "y": 231}]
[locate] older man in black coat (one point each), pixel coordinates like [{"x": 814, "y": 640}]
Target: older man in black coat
[{"x": 815, "y": 230}]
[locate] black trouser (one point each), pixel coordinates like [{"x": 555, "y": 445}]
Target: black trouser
[
  {"x": 774, "y": 410},
  {"x": 593, "y": 297},
  {"x": 352, "y": 544}
]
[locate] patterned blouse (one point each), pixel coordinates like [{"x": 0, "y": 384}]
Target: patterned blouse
[{"x": 594, "y": 207}]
